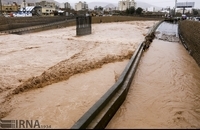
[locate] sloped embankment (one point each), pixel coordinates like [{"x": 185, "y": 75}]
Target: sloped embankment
[{"x": 190, "y": 32}]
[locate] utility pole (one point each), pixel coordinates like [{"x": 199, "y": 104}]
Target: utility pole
[
  {"x": 1, "y": 8},
  {"x": 24, "y": 6},
  {"x": 175, "y": 7}
]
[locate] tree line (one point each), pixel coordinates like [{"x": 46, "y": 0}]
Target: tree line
[{"x": 132, "y": 10}]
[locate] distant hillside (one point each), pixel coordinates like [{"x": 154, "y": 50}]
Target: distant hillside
[
  {"x": 91, "y": 4},
  {"x": 146, "y": 5},
  {"x": 110, "y": 6},
  {"x": 104, "y": 4}
]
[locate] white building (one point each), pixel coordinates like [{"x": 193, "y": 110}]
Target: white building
[
  {"x": 67, "y": 5},
  {"x": 153, "y": 9},
  {"x": 110, "y": 8},
  {"x": 81, "y": 6},
  {"x": 186, "y": 11},
  {"x": 126, "y": 4},
  {"x": 47, "y": 8},
  {"x": 25, "y": 4}
]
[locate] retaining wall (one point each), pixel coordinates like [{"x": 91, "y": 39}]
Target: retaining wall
[
  {"x": 190, "y": 31},
  {"x": 20, "y": 22},
  {"x": 16, "y": 22},
  {"x": 110, "y": 19}
]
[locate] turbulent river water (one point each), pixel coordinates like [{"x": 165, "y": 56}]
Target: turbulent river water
[
  {"x": 165, "y": 92},
  {"x": 63, "y": 75}
]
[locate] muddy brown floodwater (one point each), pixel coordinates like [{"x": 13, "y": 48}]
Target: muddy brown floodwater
[
  {"x": 55, "y": 77},
  {"x": 62, "y": 104},
  {"x": 165, "y": 92}
]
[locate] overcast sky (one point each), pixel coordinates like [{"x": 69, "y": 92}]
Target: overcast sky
[{"x": 161, "y": 3}]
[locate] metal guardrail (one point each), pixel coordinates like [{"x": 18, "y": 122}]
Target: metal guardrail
[{"x": 99, "y": 115}]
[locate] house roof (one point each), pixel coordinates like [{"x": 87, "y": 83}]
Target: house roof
[
  {"x": 60, "y": 11},
  {"x": 29, "y": 8}
]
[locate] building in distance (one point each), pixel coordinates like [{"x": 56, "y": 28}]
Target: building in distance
[
  {"x": 47, "y": 8},
  {"x": 67, "y": 5},
  {"x": 126, "y": 4},
  {"x": 81, "y": 6}
]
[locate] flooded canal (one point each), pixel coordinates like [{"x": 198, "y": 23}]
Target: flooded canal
[
  {"x": 165, "y": 92},
  {"x": 72, "y": 75}
]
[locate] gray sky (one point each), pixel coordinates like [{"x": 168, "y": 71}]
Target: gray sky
[{"x": 160, "y": 3}]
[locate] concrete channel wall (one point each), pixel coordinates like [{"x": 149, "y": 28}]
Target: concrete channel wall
[
  {"x": 56, "y": 22},
  {"x": 110, "y": 19},
  {"x": 190, "y": 35},
  {"x": 8, "y": 23}
]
